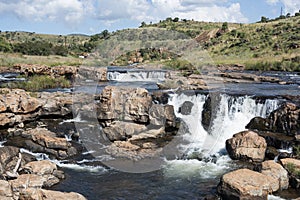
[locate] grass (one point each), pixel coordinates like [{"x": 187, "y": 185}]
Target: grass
[
  {"x": 36, "y": 83},
  {"x": 259, "y": 46},
  {"x": 291, "y": 167},
  {"x": 11, "y": 59}
]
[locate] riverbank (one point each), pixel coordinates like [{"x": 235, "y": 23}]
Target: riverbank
[{"x": 185, "y": 131}]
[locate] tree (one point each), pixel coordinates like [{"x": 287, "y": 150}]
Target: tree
[
  {"x": 264, "y": 19},
  {"x": 288, "y": 15},
  {"x": 143, "y": 24},
  {"x": 105, "y": 34},
  {"x": 169, "y": 19},
  {"x": 176, "y": 19},
  {"x": 224, "y": 26}
]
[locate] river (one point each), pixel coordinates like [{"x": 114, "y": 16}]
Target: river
[{"x": 195, "y": 172}]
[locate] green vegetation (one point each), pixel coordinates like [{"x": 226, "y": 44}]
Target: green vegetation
[
  {"x": 271, "y": 44},
  {"x": 11, "y": 59},
  {"x": 291, "y": 168},
  {"x": 296, "y": 150},
  {"x": 36, "y": 83}
]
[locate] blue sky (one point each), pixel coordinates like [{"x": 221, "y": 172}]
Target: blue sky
[{"x": 93, "y": 16}]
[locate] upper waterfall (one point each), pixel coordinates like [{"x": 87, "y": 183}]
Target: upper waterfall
[{"x": 131, "y": 75}]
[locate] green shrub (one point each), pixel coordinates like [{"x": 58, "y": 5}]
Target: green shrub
[{"x": 40, "y": 82}]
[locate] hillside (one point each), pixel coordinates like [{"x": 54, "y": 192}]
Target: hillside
[{"x": 274, "y": 45}]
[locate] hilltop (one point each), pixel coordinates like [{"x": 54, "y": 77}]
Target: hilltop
[{"x": 265, "y": 45}]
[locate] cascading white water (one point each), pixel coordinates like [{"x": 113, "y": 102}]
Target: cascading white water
[
  {"x": 136, "y": 75},
  {"x": 232, "y": 115}
]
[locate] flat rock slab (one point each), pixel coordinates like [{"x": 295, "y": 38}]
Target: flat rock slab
[{"x": 246, "y": 184}]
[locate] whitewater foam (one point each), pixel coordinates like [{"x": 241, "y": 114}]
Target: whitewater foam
[
  {"x": 136, "y": 75},
  {"x": 78, "y": 166},
  {"x": 232, "y": 114}
]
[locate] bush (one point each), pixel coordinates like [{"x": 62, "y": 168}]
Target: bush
[{"x": 40, "y": 82}]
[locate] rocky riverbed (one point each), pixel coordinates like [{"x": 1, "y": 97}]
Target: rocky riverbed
[{"x": 137, "y": 130}]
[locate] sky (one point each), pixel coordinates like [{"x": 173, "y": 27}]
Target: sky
[{"x": 93, "y": 16}]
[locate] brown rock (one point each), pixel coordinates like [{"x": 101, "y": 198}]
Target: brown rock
[
  {"x": 25, "y": 181},
  {"x": 41, "y": 194},
  {"x": 44, "y": 141},
  {"x": 5, "y": 191},
  {"x": 285, "y": 119},
  {"x": 131, "y": 104},
  {"x": 19, "y": 101},
  {"x": 92, "y": 73},
  {"x": 291, "y": 161},
  {"x": 247, "y": 185},
  {"x": 247, "y": 145},
  {"x": 8, "y": 158},
  {"x": 275, "y": 170},
  {"x": 42, "y": 167},
  {"x": 162, "y": 115},
  {"x": 119, "y": 130},
  {"x": 46, "y": 138}
]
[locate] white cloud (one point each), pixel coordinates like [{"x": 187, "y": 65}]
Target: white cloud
[
  {"x": 69, "y": 11},
  {"x": 73, "y": 12},
  {"x": 272, "y": 1},
  {"x": 290, "y": 6},
  {"x": 202, "y": 10}
]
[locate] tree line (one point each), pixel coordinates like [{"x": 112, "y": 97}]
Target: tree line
[{"x": 45, "y": 48}]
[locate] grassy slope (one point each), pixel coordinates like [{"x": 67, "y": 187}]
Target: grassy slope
[
  {"x": 277, "y": 41},
  {"x": 272, "y": 45},
  {"x": 20, "y": 36}
]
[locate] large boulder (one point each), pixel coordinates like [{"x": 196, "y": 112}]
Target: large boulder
[
  {"x": 41, "y": 194},
  {"x": 246, "y": 145},
  {"x": 46, "y": 169},
  {"x": 17, "y": 101},
  {"x": 41, "y": 140},
  {"x": 247, "y": 185},
  {"x": 6, "y": 192},
  {"x": 275, "y": 170},
  {"x": 120, "y": 130},
  {"x": 55, "y": 103},
  {"x": 293, "y": 167},
  {"x": 285, "y": 119},
  {"x": 11, "y": 160},
  {"x": 91, "y": 73},
  {"x": 17, "y": 106},
  {"x": 162, "y": 115},
  {"x": 130, "y": 104}
]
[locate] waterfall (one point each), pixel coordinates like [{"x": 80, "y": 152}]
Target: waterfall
[
  {"x": 232, "y": 114},
  {"x": 136, "y": 75}
]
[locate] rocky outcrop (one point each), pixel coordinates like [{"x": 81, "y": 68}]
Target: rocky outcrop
[
  {"x": 17, "y": 106},
  {"x": 97, "y": 74},
  {"x": 41, "y": 140},
  {"x": 286, "y": 120},
  {"x": 6, "y": 192},
  {"x": 70, "y": 72},
  {"x": 247, "y": 145},
  {"x": 247, "y": 185},
  {"x": 293, "y": 167},
  {"x": 55, "y": 103},
  {"x": 24, "y": 178},
  {"x": 130, "y": 104},
  {"x": 29, "y": 70},
  {"x": 136, "y": 126},
  {"x": 11, "y": 159},
  {"x": 46, "y": 169},
  {"x": 42, "y": 194},
  {"x": 119, "y": 130},
  {"x": 275, "y": 170}
]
